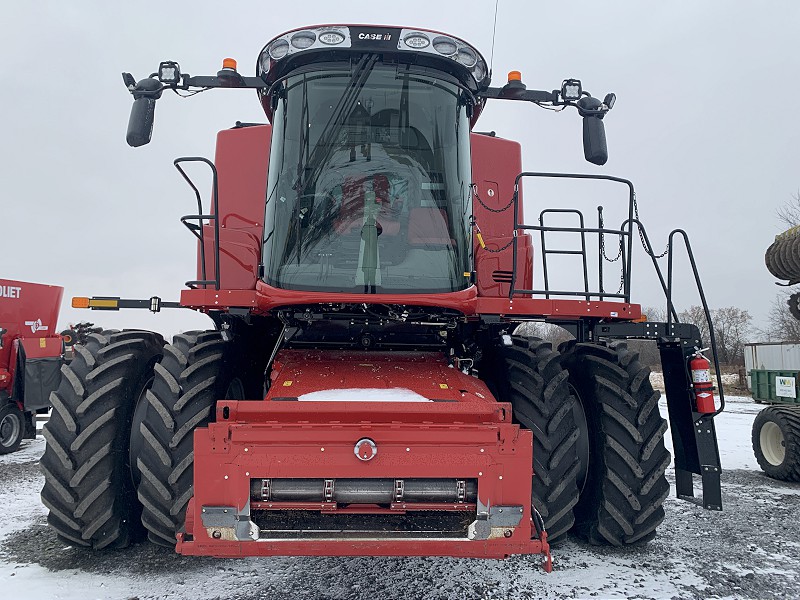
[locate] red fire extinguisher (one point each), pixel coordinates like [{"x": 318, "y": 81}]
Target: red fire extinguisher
[{"x": 700, "y": 368}]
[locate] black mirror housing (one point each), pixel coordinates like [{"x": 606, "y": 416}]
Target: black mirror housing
[
  {"x": 140, "y": 124},
  {"x": 595, "y": 149}
]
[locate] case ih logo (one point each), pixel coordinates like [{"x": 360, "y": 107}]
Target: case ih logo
[
  {"x": 384, "y": 37},
  {"x": 9, "y": 291},
  {"x": 36, "y": 325}
]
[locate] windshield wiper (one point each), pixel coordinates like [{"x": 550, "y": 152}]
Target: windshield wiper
[{"x": 338, "y": 118}]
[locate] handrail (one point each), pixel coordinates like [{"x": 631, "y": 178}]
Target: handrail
[
  {"x": 582, "y": 251},
  {"x": 197, "y": 230},
  {"x": 626, "y": 231},
  {"x": 649, "y": 251},
  {"x": 626, "y": 267},
  {"x": 706, "y": 311}
]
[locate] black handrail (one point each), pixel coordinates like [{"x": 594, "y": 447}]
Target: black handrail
[
  {"x": 626, "y": 266},
  {"x": 581, "y": 252},
  {"x": 706, "y": 311},
  {"x": 626, "y": 250},
  {"x": 649, "y": 251},
  {"x": 197, "y": 229}
]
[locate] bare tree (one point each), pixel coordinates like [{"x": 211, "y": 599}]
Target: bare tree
[
  {"x": 732, "y": 326},
  {"x": 789, "y": 213},
  {"x": 781, "y": 324},
  {"x": 655, "y": 314},
  {"x": 545, "y": 331},
  {"x": 696, "y": 316}
]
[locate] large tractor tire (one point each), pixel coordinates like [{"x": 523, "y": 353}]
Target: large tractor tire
[
  {"x": 622, "y": 498},
  {"x": 776, "y": 442},
  {"x": 12, "y": 425},
  {"x": 87, "y": 475},
  {"x": 195, "y": 372},
  {"x": 530, "y": 377},
  {"x": 783, "y": 256}
]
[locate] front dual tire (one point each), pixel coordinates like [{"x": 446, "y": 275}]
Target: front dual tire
[
  {"x": 599, "y": 456},
  {"x": 119, "y": 459},
  {"x": 88, "y": 487}
]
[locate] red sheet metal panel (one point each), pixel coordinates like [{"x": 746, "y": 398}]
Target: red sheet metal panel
[
  {"x": 426, "y": 374},
  {"x": 562, "y": 309},
  {"x": 242, "y": 161},
  {"x": 465, "y": 440},
  {"x": 460, "y": 433},
  {"x": 27, "y": 310}
]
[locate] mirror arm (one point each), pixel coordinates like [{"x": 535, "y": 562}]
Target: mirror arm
[
  {"x": 587, "y": 106},
  {"x": 152, "y": 88},
  {"x": 234, "y": 80},
  {"x": 505, "y": 93}
]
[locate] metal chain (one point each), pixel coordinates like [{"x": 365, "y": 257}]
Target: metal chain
[
  {"x": 499, "y": 249},
  {"x": 641, "y": 235},
  {"x": 603, "y": 243},
  {"x": 474, "y": 187}
]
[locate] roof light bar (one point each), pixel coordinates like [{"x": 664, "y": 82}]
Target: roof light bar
[
  {"x": 409, "y": 40},
  {"x": 305, "y": 39},
  {"x": 446, "y": 46}
]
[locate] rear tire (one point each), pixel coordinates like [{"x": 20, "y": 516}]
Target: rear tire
[
  {"x": 194, "y": 373},
  {"x": 87, "y": 485},
  {"x": 12, "y": 427},
  {"x": 776, "y": 442},
  {"x": 532, "y": 379},
  {"x": 622, "y": 499}
]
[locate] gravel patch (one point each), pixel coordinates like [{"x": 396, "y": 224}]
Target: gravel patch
[{"x": 750, "y": 550}]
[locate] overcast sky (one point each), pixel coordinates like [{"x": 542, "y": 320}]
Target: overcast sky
[{"x": 704, "y": 126}]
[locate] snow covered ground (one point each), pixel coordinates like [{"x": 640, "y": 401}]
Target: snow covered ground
[{"x": 750, "y": 550}]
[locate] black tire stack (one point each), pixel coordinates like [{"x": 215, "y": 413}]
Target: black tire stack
[
  {"x": 193, "y": 374},
  {"x": 783, "y": 256},
  {"x": 622, "y": 499},
  {"x": 88, "y": 487},
  {"x": 532, "y": 379}
]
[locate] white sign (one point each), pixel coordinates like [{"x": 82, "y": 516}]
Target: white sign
[{"x": 785, "y": 387}]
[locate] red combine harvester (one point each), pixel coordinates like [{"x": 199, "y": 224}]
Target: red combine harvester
[
  {"x": 30, "y": 357},
  {"x": 365, "y": 263}
]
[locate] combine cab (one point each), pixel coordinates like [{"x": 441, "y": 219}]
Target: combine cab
[
  {"x": 366, "y": 263},
  {"x": 30, "y": 357}
]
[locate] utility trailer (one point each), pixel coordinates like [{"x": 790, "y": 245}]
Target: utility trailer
[
  {"x": 365, "y": 261},
  {"x": 31, "y": 354}
]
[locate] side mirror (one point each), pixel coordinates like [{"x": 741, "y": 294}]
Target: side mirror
[
  {"x": 140, "y": 124},
  {"x": 595, "y": 149},
  {"x": 2, "y": 333}
]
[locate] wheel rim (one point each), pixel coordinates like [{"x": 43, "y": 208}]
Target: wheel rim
[
  {"x": 133, "y": 447},
  {"x": 10, "y": 428},
  {"x": 773, "y": 445},
  {"x": 235, "y": 390},
  {"x": 582, "y": 444}
]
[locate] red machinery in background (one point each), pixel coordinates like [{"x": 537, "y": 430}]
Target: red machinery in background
[{"x": 30, "y": 356}]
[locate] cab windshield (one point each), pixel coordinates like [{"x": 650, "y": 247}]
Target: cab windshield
[{"x": 368, "y": 187}]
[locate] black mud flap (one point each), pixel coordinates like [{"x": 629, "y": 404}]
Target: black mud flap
[{"x": 42, "y": 376}]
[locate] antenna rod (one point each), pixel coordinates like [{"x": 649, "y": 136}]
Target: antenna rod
[{"x": 494, "y": 30}]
